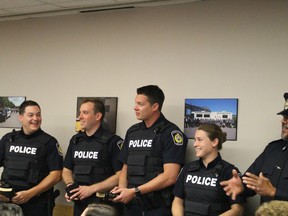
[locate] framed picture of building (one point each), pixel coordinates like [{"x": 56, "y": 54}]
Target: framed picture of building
[
  {"x": 222, "y": 112},
  {"x": 109, "y": 121},
  {"x": 9, "y": 111}
]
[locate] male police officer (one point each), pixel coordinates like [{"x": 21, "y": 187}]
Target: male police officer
[
  {"x": 267, "y": 176},
  {"x": 32, "y": 161},
  {"x": 92, "y": 163},
  {"x": 153, "y": 153}
]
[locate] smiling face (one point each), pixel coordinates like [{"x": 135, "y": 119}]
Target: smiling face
[
  {"x": 89, "y": 120},
  {"x": 284, "y": 132},
  {"x": 31, "y": 119},
  {"x": 204, "y": 147}
]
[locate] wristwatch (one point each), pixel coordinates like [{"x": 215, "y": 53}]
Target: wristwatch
[{"x": 137, "y": 192}]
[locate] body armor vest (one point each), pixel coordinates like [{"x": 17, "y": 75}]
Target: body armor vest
[
  {"x": 145, "y": 154},
  {"x": 25, "y": 161},
  {"x": 203, "y": 194},
  {"x": 92, "y": 162}
]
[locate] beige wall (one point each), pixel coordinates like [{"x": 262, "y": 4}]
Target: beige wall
[{"x": 209, "y": 49}]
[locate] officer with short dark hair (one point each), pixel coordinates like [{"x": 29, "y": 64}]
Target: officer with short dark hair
[
  {"x": 153, "y": 153},
  {"x": 91, "y": 163},
  {"x": 32, "y": 161}
]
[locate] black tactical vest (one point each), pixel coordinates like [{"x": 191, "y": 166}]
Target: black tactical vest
[
  {"x": 25, "y": 160},
  {"x": 145, "y": 153},
  {"x": 92, "y": 162},
  {"x": 203, "y": 194}
]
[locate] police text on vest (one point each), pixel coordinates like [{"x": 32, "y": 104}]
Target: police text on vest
[
  {"x": 86, "y": 154},
  {"x": 23, "y": 149},
  {"x": 208, "y": 181},
  {"x": 140, "y": 143}
]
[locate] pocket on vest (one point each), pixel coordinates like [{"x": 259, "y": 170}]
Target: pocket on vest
[
  {"x": 17, "y": 170},
  {"x": 136, "y": 165},
  {"x": 196, "y": 208},
  {"x": 83, "y": 173}
]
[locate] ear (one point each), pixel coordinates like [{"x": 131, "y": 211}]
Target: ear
[
  {"x": 20, "y": 118},
  {"x": 98, "y": 116},
  {"x": 215, "y": 142},
  {"x": 155, "y": 107}
]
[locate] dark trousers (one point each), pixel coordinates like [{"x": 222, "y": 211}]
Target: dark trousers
[
  {"x": 137, "y": 210},
  {"x": 37, "y": 206},
  {"x": 79, "y": 207}
]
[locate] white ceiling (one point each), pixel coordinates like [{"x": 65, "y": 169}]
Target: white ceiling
[{"x": 19, "y": 9}]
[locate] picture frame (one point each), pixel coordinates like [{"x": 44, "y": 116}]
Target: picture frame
[
  {"x": 220, "y": 111},
  {"x": 109, "y": 121},
  {"x": 9, "y": 111}
]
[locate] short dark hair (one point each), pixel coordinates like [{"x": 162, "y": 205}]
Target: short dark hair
[
  {"x": 214, "y": 131},
  {"x": 99, "y": 209},
  {"x": 154, "y": 94},
  {"x": 98, "y": 105},
  {"x": 25, "y": 104},
  {"x": 10, "y": 209}
]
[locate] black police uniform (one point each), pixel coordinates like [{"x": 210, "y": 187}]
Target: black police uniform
[
  {"x": 93, "y": 159},
  {"x": 27, "y": 160},
  {"x": 199, "y": 187},
  {"x": 273, "y": 163},
  {"x": 145, "y": 151}
]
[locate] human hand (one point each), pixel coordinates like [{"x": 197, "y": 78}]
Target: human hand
[
  {"x": 260, "y": 184},
  {"x": 233, "y": 186},
  {"x": 21, "y": 197},
  {"x": 67, "y": 198},
  {"x": 81, "y": 193},
  {"x": 4, "y": 199},
  {"x": 125, "y": 194}
]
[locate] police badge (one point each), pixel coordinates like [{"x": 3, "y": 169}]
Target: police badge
[{"x": 177, "y": 137}]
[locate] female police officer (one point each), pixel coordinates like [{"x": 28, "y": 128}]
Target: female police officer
[{"x": 197, "y": 190}]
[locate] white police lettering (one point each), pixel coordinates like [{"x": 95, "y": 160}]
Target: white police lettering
[
  {"x": 23, "y": 149},
  {"x": 140, "y": 143},
  {"x": 86, "y": 154},
  {"x": 208, "y": 181}
]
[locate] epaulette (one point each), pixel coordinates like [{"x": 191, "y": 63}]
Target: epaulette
[
  {"x": 218, "y": 169},
  {"x": 161, "y": 127},
  {"x": 106, "y": 136},
  {"x": 77, "y": 137},
  {"x": 12, "y": 135},
  {"x": 134, "y": 127}
]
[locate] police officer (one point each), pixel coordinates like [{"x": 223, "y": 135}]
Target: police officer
[
  {"x": 197, "y": 190},
  {"x": 153, "y": 153},
  {"x": 267, "y": 175},
  {"x": 91, "y": 163},
  {"x": 32, "y": 161}
]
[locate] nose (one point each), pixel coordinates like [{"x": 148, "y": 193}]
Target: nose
[
  {"x": 35, "y": 117},
  {"x": 80, "y": 115}
]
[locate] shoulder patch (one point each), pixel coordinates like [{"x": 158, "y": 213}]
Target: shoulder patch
[
  {"x": 59, "y": 149},
  {"x": 177, "y": 137},
  {"x": 120, "y": 144}
]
